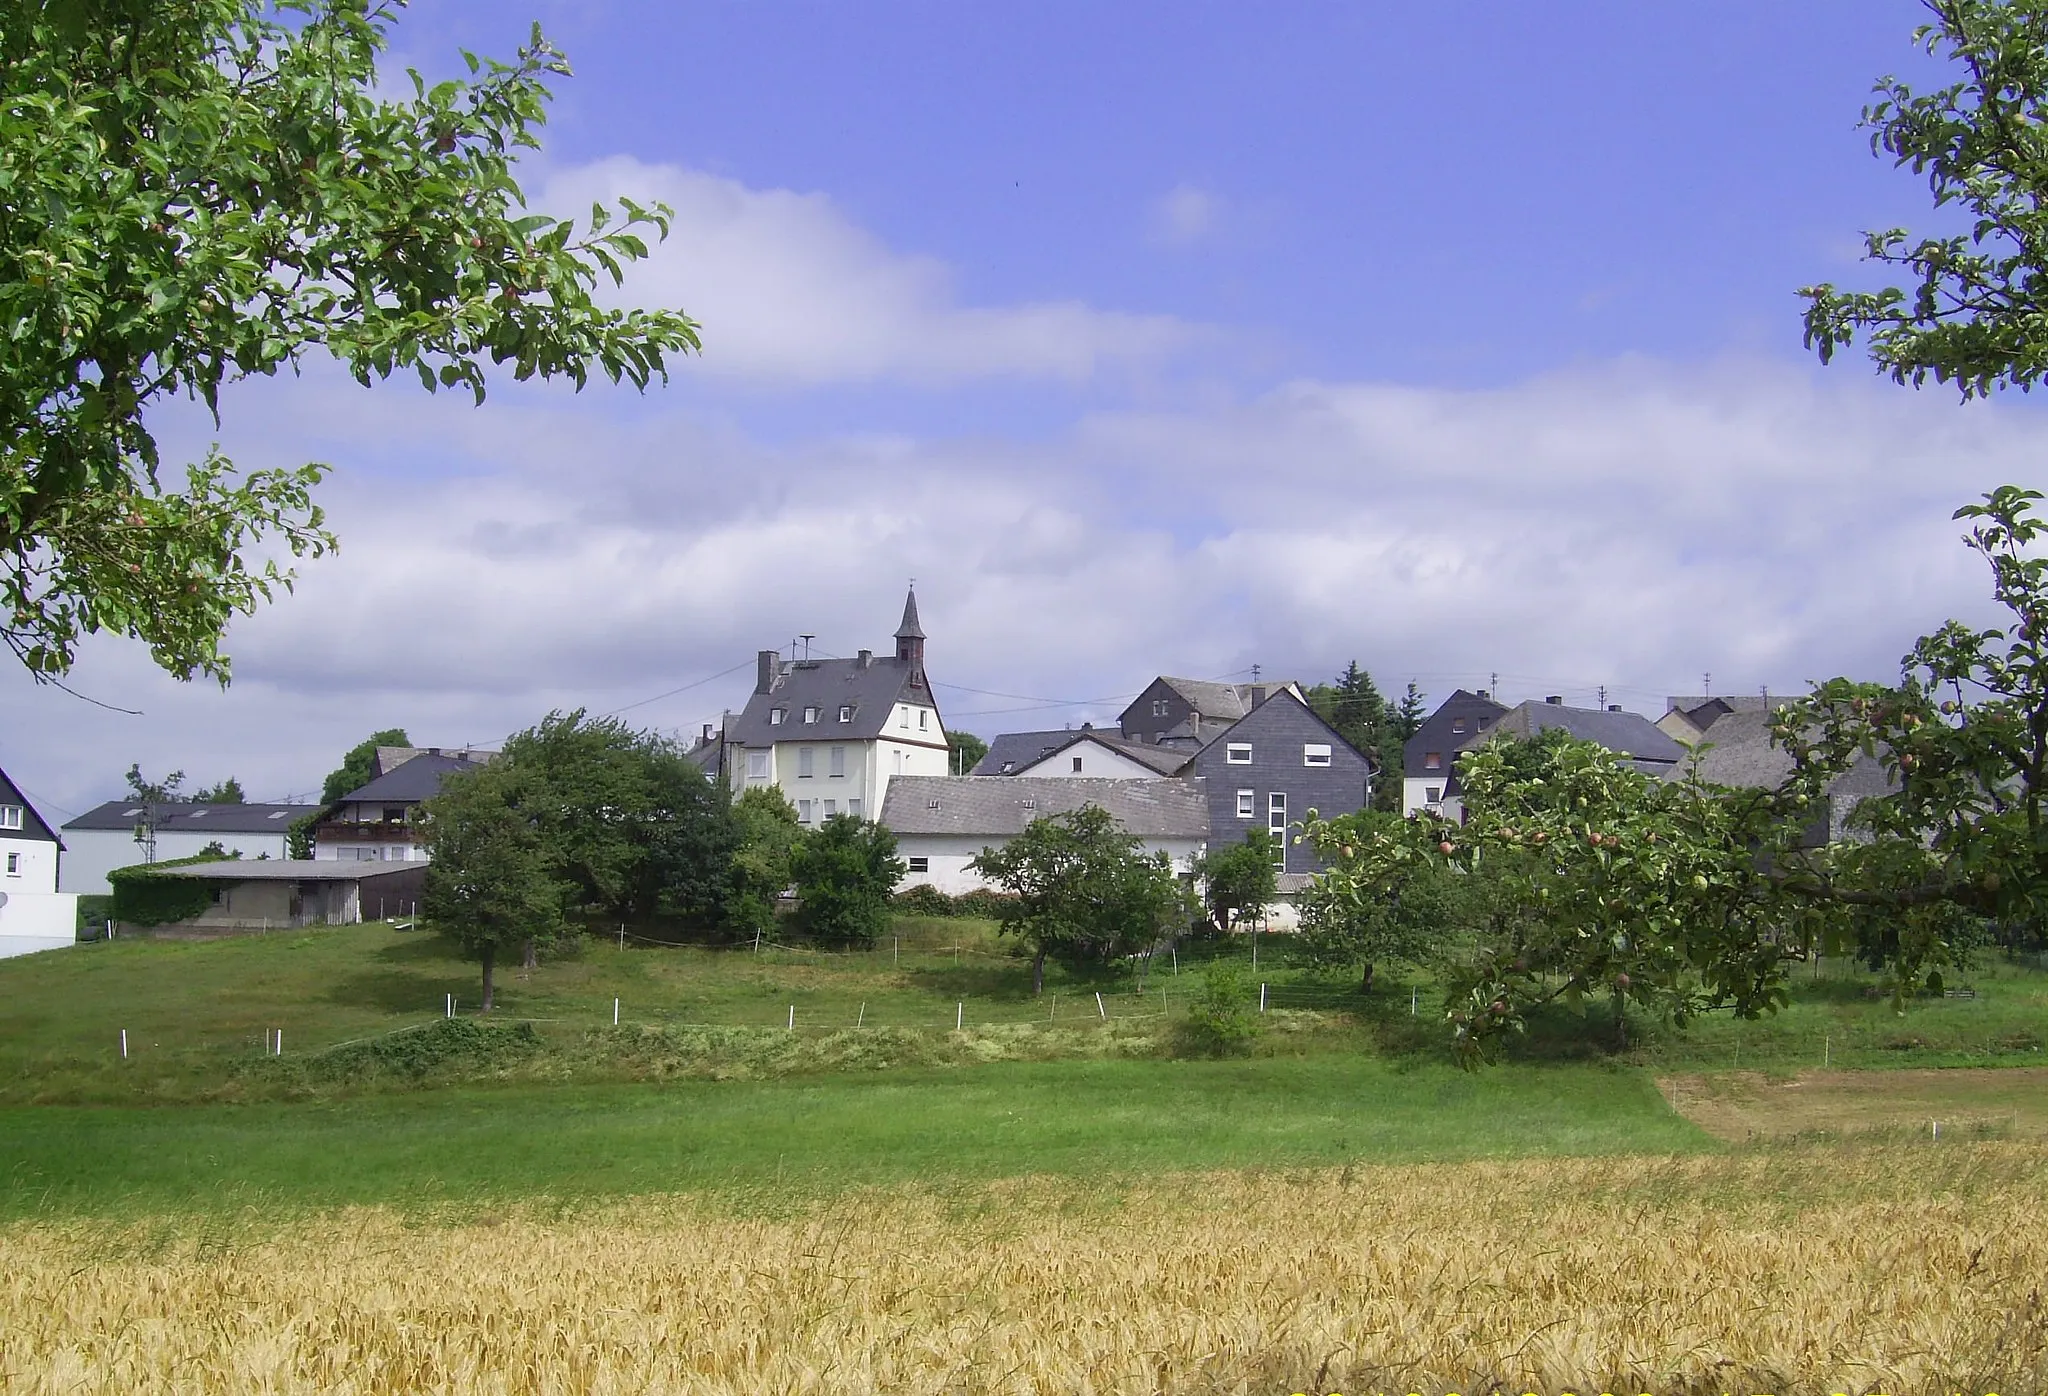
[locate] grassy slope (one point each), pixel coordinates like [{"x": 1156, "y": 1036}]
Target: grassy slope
[{"x": 1005, "y": 1119}]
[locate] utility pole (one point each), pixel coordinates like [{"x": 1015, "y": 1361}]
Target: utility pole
[{"x": 1603, "y": 697}]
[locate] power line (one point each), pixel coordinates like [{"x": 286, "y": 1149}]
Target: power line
[{"x": 697, "y": 683}]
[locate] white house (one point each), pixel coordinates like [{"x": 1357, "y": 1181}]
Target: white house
[
  {"x": 34, "y": 915},
  {"x": 107, "y": 837},
  {"x": 379, "y": 822},
  {"x": 832, "y": 734},
  {"x": 941, "y": 823},
  {"x": 1086, "y": 751}
]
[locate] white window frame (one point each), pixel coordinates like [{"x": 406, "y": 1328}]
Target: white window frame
[
  {"x": 922, "y": 715},
  {"x": 1276, "y": 825},
  {"x": 853, "y": 807},
  {"x": 1077, "y": 765},
  {"x": 1315, "y": 753},
  {"x": 831, "y": 808},
  {"x": 805, "y": 811},
  {"x": 919, "y": 865},
  {"x": 838, "y": 762},
  {"x": 1247, "y": 804},
  {"x": 1457, "y": 724},
  {"x": 14, "y": 865},
  {"x": 846, "y": 712},
  {"x": 806, "y": 762},
  {"x": 775, "y": 716},
  {"x": 1432, "y": 761},
  {"x": 1237, "y": 753},
  {"x": 12, "y": 816},
  {"x": 1433, "y": 794},
  {"x": 811, "y": 713},
  {"x": 757, "y": 765},
  {"x": 903, "y": 718}
]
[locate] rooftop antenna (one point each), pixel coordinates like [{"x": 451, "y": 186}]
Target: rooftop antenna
[
  {"x": 1494, "y": 691},
  {"x": 1255, "y": 673},
  {"x": 807, "y": 643},
  {"x": 1707, "y": 685},
  {"x": 1603, "y": 696}
]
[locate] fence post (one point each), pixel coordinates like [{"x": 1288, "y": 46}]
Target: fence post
[
  {"x": 1262, "y": 998},
  {"x": 862, "y": 1020},
  {"x": 615, "y": 1012},
  {"x": 1104, "y": 1012},
  {"x": 124, "y": 1044},
  {"x": 1412, "y": 993},
  {"x": 792, "y": 1017},
  {"x": 959, "y": 1015},
  {"x": 280, "y": 1042},
  {"x": 1176, "y": 959}
]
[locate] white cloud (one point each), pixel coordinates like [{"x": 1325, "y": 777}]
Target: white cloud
[
  {"x": 1186, "y": 214},
  {"x": 1630, "y": 524},
  {"x": 789, "y": 289}
]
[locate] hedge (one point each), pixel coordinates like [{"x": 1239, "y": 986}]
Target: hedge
[
  {"x": 927, "y": 900},
  {"x": 144, "y": 896}
]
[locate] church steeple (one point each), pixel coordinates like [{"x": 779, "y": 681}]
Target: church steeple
[{"x": 910, "y": 635}]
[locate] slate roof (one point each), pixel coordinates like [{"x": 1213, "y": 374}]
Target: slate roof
[
  {"x": 288, "y": 870},
  {"x": 1629, "y": 734},
  {"x": 1228, "y": 701},
  {"x": 417, "y": 779},
  {"x": 33, "y": 826},
  {"x": 872, "y": 689},
  {"x": 189, "y": 817},
  {"x": 910, "y": 629},
  {"x": 1000, "y": 807},
  {"x": 1737, "y": 752},
  {"x": 1013, "y": 751}
]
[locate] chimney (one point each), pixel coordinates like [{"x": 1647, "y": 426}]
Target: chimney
[
  {"x": 1258, "y": 694},
  {"x": 1555, "y": 700},
  {"x": 867, "y": 657},
  {"x": 764, "y": 671},
  {"x": 1614, "y": 707},
  {"x": 707, "y": 736},
  {"x": 1484, "y": 694}
]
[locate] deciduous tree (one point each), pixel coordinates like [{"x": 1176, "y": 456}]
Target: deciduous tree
[
  {"x": 1238, "y": 880},
  {"x": 845, "y": 873},
  {"x": 203, "y": 191},
  {"x": 490, "y": 885}
]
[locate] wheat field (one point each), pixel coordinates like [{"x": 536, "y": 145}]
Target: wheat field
[{"x": 1897, "y": 1268}]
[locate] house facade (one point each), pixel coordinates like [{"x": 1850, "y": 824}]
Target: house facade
[
  {"x": 1188, "y": 714},
  {"x": 282, "y": 895},
  {"x": 34, "y": 915},
  {"x": 1429, "y": 760},
  {"x": 942, "y": 823},
  {"x": 379, "y": 822},
  {"x": 118, "y": 834},
  {"x": 833, "y": 734},
  {"x": 1735, "y": 749},
  {"x": 1271, "y": 768}
]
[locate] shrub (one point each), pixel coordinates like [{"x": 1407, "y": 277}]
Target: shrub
[
  {"x": 1219, "y": 1024},
  {"x": 145, "y": 895}
]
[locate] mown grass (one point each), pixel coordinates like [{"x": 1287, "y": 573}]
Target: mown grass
[{"x": 817, "y": 1133}]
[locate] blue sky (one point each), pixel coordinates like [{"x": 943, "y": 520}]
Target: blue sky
[{"x": 1459, "y": 339}]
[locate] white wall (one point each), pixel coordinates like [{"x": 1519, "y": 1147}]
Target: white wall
[
  {"x": 1096, "y": 760},
  {"x": 32, "y": 921},
  {"x": 1415, "y": 794},
  {"x": 90, "y": 854},
  {"x": 35, "y": 865},
  {"x": 947, "y": 856}
]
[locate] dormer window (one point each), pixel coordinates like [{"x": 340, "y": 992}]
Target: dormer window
[
  {"x": 846, "y": 712},
  {"x": 1457, "y": 724},
  {"x": 775, "y": 716},
  {"x": 810, "y": 714}
]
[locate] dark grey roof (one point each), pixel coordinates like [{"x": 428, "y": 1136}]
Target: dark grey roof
[
  {"x": 1703, "y": 712},
  {"x": 999, "y": 807},
  {"x": 910, "y": 629},
  {"x": 33, "y": 825},
  {"x": 288, "y": 870},
  {"x": 871, "y": 689},
  {"x": 417, "y": 779},
  {"x": 1229, "y": 701},
  {"x": 1013, "y": 751},
  {"x": 1629, "y": 734},
  {"x": 194, "y": 818},
  {"x": 1738, "y": 752},
  {"x": 1438, "y": 732}
]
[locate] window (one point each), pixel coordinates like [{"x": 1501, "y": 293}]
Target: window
[
  {"x": 805, "y": 809},
  {"x": 1159, "y": 707},
  {"x": 903, "y": 717},
  {"x": 806, "y": 758},
  {"x": 846, "y": 712},
  {"x": 14, "y": 865},
  {"x": 831, "y": 808},
  {"x": 921, "y": 716},
  {"x": 1276, "y": 821},
  {"x": 1238, "y": 754},
  {"x": 1457, "y": 724},
  {"x": 1246, "y": 802},
  {"x": 920, "y": 865},
  {"x": 1433, "y": 793},
  {"x": 757, "y": 765},
  {"x": 853, "y": 808},
  {"x": 1432, "y": 761},
  {"x": 1315, "y": 753},
  {"x": 838, "y": 760},
  {"x": 394, "y": 814},
  {"x": 10, "y": 816},
  {"x": 810, "y": 714},
  {"x": 1077, "y": 765},
  {"x": 775, "y": 716}
]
